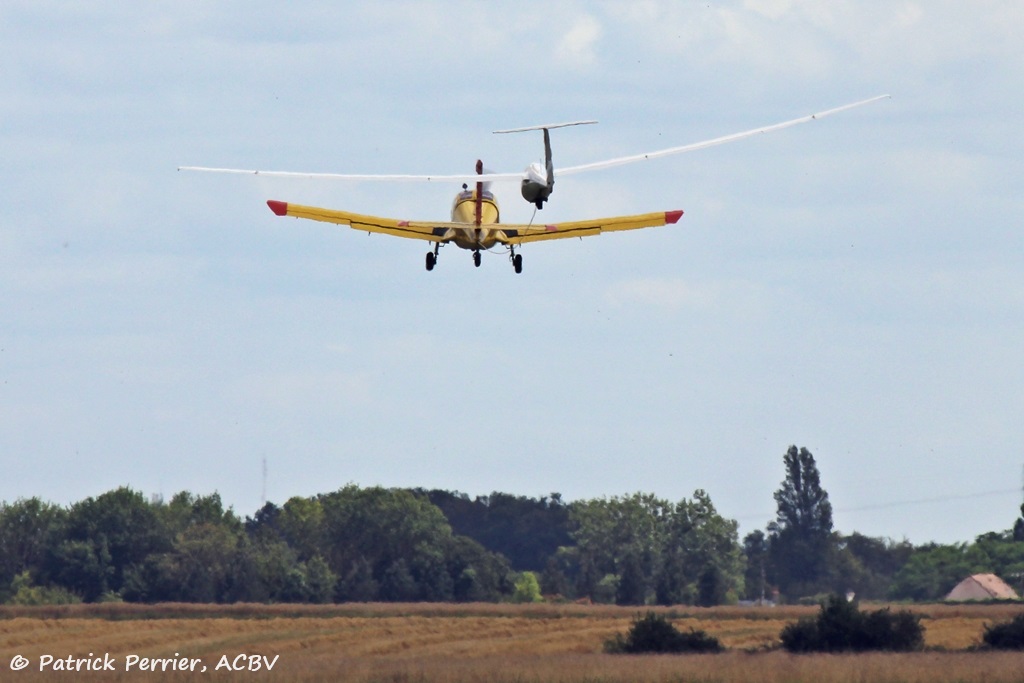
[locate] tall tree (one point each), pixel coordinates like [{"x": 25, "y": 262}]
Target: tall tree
[
  {"x": 800, "y": 538},
  {"x": 755, "y": 549},
  {"x": 1018, "y": 526}
]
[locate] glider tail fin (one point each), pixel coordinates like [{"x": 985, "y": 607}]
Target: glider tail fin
[{"x": 540, "y": 182}]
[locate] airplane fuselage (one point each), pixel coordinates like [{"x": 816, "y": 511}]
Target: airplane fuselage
[{"x": 478, "y": 210}]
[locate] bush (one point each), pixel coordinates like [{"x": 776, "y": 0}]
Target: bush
[
  {"x": 527, "y": 588},
  {"x": 24, "y": 592},
  {"x": 841, "y": 627},
  {"x": 654, "y": 633},
  {"x": 1008, "y": 635}
]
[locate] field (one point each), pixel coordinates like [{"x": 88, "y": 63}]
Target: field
[{"x": 456, "y": 643}]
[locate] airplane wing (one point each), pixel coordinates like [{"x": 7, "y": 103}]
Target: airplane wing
[
  {"x": 421, "y": 230},
  {"x": 520, "y": 233},
  {"x": 507, "y": 233}
]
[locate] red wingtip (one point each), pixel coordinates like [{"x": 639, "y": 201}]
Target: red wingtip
[
  {"x": 279, "y": 208},
  {"x": 672, "y": 216}
]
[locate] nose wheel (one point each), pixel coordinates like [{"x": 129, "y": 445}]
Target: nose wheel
[{"x": 476, "y": 259}]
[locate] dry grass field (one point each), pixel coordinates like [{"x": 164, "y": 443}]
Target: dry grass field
[{"x": 456, "y": 643}]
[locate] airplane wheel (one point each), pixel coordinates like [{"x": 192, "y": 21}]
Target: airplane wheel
[
  {"x": 476, "y": 259},
  {"x": 430, "y": 260},
  {"x": 517, "y": 262}
]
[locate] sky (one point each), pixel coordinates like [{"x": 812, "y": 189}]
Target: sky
[{"x": 853, "y": 285}]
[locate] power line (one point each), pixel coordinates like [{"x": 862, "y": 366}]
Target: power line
[
  {"x": 901, "y": 503},
  {"x": 921, "y": 501}
]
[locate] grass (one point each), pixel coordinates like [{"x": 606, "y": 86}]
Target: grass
[{"x": 431, "y": 643}]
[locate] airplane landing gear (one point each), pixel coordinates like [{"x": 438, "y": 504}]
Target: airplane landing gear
[
  {"x": 476, "y": 258},
  {"x": 432, "y": 256},
  {"x": 516, "y": 259}
]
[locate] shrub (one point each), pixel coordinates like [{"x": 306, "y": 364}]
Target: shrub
[
  {"x": 527, "y": 588},
  {"x": 24, "y": 592},
  {"x": 654, "y": 633},
  {"x": 1008, "y": 635},
  {"x": 841, "y": 627},
  {"x": 884, "y": 630}
]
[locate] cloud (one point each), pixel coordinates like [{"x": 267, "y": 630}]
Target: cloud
[
  {"x": 577, "y": 49},
  {"x": 813, "y": 41}
]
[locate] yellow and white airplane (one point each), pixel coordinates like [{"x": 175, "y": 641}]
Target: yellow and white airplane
[{"x": 475, "y": 218}]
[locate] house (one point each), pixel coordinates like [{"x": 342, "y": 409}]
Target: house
[{"x": 981, "y": 587}]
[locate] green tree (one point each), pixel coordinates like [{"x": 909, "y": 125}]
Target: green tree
[
  {"x": 555, "y": 578},
  {"x": 527, "y": 531},
  {"x": 800, "y": 538},
  {"x": 638, "y": 548},
  {"x": 632, "y": 586},
  {"x": 358, "y": 583},
  {"x": 106, "y": 538},
  {"x": 478, "y": 574},
  {"x": 264, "y": 524},
  {"x": 29, "y": 530},
  {"x": 85, "y": 567},
  {"x": 301, "y": 523},
  {"x": 755, "y": 578},
  {"x": 1018, "y": 526},
  {"x": 702, "y": 561},
  {"x": 932, "y": 571},
  {"x": 404, "y": 538},
  {"x": 211, "y": 556},
  {"x": 612, "y": 534},
  {"x": 187, "y": 509},
  {"x": 398, "y": 584},
  {"x": 321, "y": 582},
  {"x": 201, "y": 565},
  {"x": 278, "y": 571},
  {"x": 716, "y": 550},
  {"x": 867, "y": 565}
]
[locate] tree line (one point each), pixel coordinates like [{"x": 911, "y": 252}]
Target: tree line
[{"x": 380, "y": 544}]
